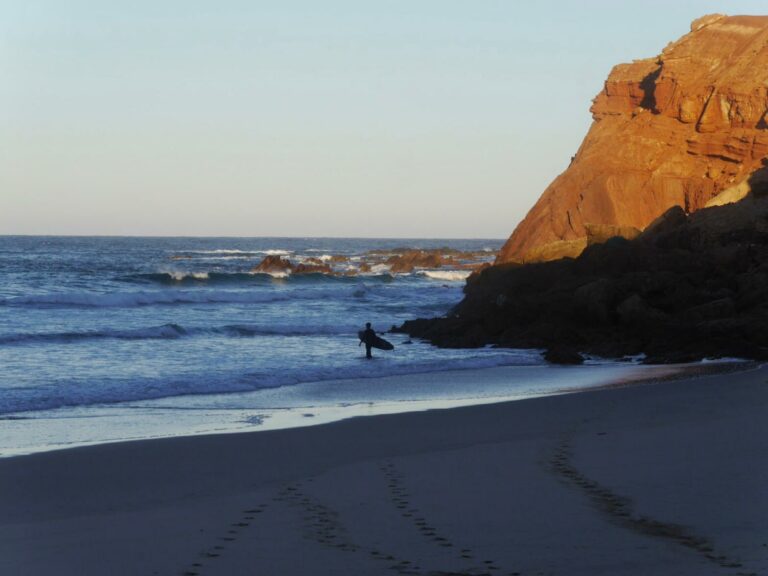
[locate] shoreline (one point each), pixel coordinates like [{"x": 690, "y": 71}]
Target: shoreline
[
  {"x": 306, "y": 404},
  {"x": 665, "y": 478}
]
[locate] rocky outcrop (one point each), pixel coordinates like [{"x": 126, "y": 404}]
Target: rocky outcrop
[
  {"x": 312, "y": 268},
  {"x": 690, "y": 286},
  {"x": 273, "y": 265},
  {"x": 681, "y": 129},
  {"x": 278, "y": 265},
  {"x": 409, "y": 260},
  {"x": 393, "y": 261}
]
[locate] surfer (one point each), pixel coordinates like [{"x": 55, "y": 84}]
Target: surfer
[{"x": 367, "y": 337}]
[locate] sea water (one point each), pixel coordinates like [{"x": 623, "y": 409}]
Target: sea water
[{"x": 105, "y": 339}]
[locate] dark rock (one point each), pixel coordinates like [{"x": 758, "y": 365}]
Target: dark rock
[
  {"x": 563, "y": 356},
  {"x": 411, "y": 259},
  {"x": 715, "y": 309},
  {"x": 689, "y": 288},
  {"x": 277, "y": 264},
  {"x": 310, "y": 268},
  {"x": 595, "y": 299},
  {"x": 665, "y": 223},
  {"x": 636, "y": 312},
  {"x": 272, "y": 263}
]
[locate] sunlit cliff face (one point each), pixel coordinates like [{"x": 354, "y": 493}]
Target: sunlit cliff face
[{"x": 679, "y": 129}]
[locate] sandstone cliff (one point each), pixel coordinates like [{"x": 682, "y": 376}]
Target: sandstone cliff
[{"x": 688, "y": 128}]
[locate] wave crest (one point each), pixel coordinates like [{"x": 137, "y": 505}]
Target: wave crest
[
  {"x": 174, "y": 331},
  {"x": 202, "y": 278},
  {"x": 447, "y": 275},
  {"x": 166, "y": 331}
]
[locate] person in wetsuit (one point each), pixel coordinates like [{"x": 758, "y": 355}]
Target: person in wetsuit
[{"x": 368, "y": 337}]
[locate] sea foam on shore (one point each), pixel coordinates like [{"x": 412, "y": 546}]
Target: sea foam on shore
[{"x": 311, "y": 403}]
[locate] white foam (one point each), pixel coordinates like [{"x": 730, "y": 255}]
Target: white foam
[
  {"x": 224, "y": 251},
  {"x": 246, "y": 256},
  {"x": 102, "y": 391},
  {"x": 239, "y": 253},
  {"x": 179, "y": 276},
  {"x": 447, "y": 275}
]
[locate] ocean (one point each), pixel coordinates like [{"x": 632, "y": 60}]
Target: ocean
[{"x": 105, "y": 339}]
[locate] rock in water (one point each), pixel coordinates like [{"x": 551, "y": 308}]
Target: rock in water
[
  {"x": 273, "y": 264},
  {"x": 312, "y": 268},
  {"x": 412, "y": 259},
  {"x": 680, "y": 129}
]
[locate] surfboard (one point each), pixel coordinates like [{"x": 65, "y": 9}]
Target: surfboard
[{"x": 376, "y": 342}]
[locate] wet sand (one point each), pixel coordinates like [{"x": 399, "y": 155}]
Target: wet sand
[{"x": 668, "y": 478}]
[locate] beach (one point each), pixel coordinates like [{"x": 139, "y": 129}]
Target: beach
[
  {"x": 665, "y": 478},
  {"x": 302, "y": 289}
]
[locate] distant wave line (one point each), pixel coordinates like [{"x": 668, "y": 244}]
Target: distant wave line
[
  {"x": 193, "y": 278},
  {"x": 176, "y": 297},
  {"x": 174, "y": 331}
]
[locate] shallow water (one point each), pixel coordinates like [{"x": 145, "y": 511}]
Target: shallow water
[
  {"x": 103, "y": 339},
  {"x": 304, "y": 404}
]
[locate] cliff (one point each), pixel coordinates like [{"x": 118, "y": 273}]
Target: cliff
[
  {"x": 688, "y": 287},
  {"x": 688, "y": 128}
]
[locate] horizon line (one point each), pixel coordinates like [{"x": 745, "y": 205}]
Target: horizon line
[{"x": 249, "y": 237}]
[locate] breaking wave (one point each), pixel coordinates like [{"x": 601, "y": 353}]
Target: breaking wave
[
  {"x": 447, "y": 275},
  {"x": 157, "y": 332},
  {"x": 174, "y": 331},
  {"x": 175, "y": 278},
  {"x": 227, "y": 254},
  {"x": 181, "y": 278},
  {"x": 115, "y": 391}
]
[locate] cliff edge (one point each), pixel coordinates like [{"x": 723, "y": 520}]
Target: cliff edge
[{"x": 687, "y": 128}]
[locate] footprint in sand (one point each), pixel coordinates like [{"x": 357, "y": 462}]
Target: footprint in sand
[
  {"x": 400, "y": 498},
  {"x": 621, "y": 508}
]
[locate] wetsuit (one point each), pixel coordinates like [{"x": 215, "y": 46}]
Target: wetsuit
[{"x": 368, "y": 337}]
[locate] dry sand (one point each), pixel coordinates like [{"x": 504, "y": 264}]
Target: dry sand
[{"x": 667, "y": 479}]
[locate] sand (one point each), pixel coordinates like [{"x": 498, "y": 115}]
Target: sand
[{"x": 669, "y": 478}]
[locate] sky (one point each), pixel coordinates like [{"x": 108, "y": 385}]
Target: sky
[{"x": 402, "y": 118}]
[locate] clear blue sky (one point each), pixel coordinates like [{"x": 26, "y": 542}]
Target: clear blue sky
[{"x": 302, "y": 118}]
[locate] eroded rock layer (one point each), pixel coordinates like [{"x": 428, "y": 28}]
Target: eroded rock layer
[{"x": 688, "y": 128}]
